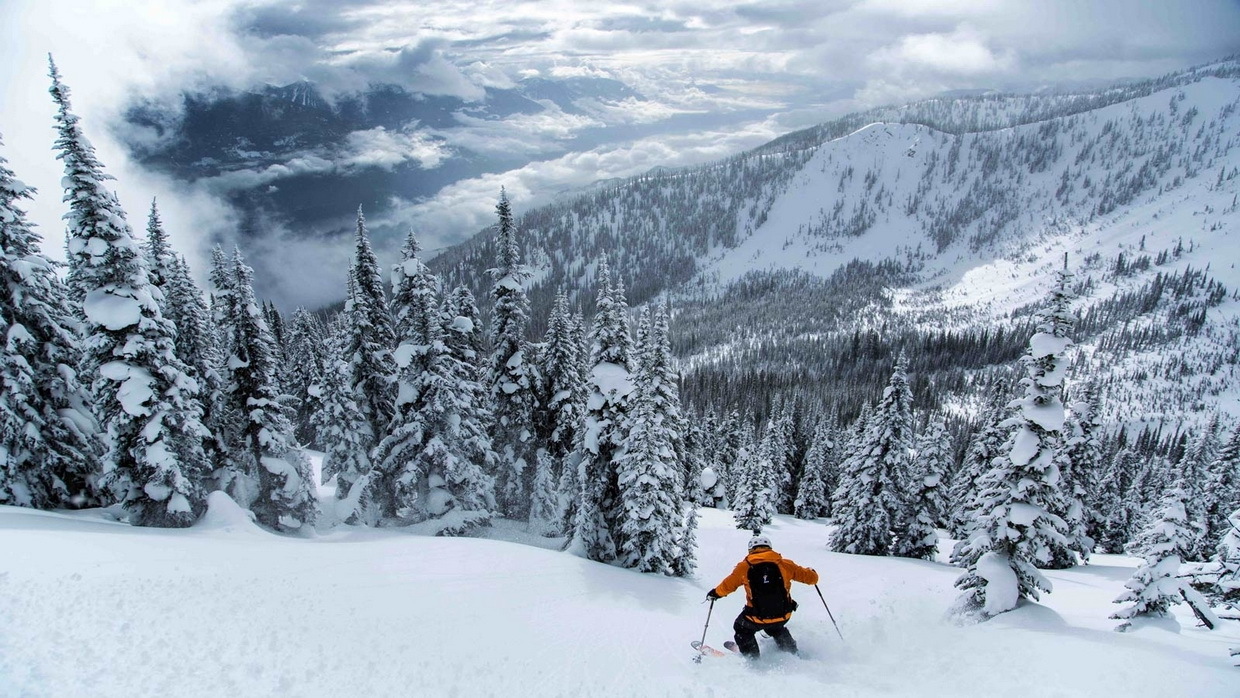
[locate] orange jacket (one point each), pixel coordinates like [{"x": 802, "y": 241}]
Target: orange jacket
[{"x": 790, "y": 571}]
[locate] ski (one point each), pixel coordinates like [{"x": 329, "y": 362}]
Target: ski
[{"x": 712, "y": 652}]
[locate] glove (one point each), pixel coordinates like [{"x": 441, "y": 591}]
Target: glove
[{"x": 712, "y": 595}]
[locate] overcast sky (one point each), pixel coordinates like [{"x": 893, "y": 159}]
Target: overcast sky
[{"x": 782, "y": 64}]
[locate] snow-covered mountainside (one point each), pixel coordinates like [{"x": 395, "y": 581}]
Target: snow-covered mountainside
[
  {"x": 99, "y": 608},
  {"x": 944, "y": 216}
]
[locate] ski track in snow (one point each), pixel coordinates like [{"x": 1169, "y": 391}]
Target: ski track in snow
[{"x": 93, "y": 607}]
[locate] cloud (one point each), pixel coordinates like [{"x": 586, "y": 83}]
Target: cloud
[
  {"x": 385, "y": 149},
  {"x": 463, "y": 208},
  {"x": 962, "y": 52}
]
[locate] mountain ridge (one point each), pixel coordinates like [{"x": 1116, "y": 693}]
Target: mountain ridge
[{"x": 949, "y": 212}]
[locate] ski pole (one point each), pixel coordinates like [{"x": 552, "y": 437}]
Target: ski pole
[
  {"x": 829, "y": 614},
  {"x": 698, "y": 659}
]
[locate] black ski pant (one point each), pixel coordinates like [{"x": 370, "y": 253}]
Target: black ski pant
[{"x": 747, "y": 643}]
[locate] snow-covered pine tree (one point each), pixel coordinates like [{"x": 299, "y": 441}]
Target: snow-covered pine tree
[
  {"x": 869, "y": 507},
  {"x": 1079, "y": 462},
  {"x": 927, "y": 502},
  {"x": 561, "y": 397},
  {"x": 511, "y": 380},
  {"x": 1193, "y": 473},
  {"x": 267, "y": 453},
  {"x": 703, "y": 443},
  {"x": 731, "y": 439},
  {"x": 569, "y": 484},
  {"x": 1015, "y": 528},
  {"x": 1156, "y": 585},
  {"x": 1223, "y": 494},
  {"x": 415, "y": 304},
  {"x": 342, "y": 428},
  {"x": 813, "y": 498},
  {"x": 685, "y": 562},
  {"x": 306, "y": 346},
  {"x": 142, "y": 394},
  {"x": 1113, "y": 523},
  {"x": 279, "y": 349},
  {"x": 984, "y": 447},
  {"x": 371, "y": 338},
  {"x": 223, "y": 298},
  {"x": 434, "y": 461},
  {"x": 754, "y": 506},
  {"x": 181, "y": 301},
  {"x": 470, "y": 458},
  {"x": 464, "y": 338},
  {"x": 648, "y": 475},
  {"x": 778, "y": 443},
  {"x": 1223, "y": 582},
  {"x": 932, "y": 462},
  {"x": 545, "y": 497},
  {"x": 666, "y": 388},
  {"x": 696, "y": 445},
  {"x": 604, "y": 426},
  {"x": 198, "y": 347},
  {"x": 654, "y": 521},
  {"x": 48, "y": 450},
  {"x": 159, "y": 256}
]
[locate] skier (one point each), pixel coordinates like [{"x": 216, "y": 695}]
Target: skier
[{"x": 767, "y": 577}]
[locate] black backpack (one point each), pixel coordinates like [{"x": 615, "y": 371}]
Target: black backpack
[{"x": 768, "y": 596}]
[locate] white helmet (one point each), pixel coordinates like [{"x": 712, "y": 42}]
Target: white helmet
[{"x": 759, "y": 541}]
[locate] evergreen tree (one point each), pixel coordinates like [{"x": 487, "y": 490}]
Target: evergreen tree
[
  {"x": 436, "y": 457},
  {"x": 985, "y": 446},
  {"x": 754, "y": 506},
  {"x": 1117, "y": 512},
  {"x": 931, "y": 464},
  {"x": 464, "y": 340},
  {"x": 779, "y": 446},
  {"x": 685, "y": 562},
  {"x": 927, "y": 503},
  {"x": 868, "y": 506},
  {"x": 545, "y": 503},
  {"x": 159, "y": 257},
  {"x": 1193, "y": 472},
  {"x": 1220, "y": 578},
  {"x": 1156, "y": 584},
  {"x": 142, "y": 395},
  {"x": 511, "y": 380},
  {"x": 48, "y": 454},
  {"x": 371, "y": 338},
  {"x": 267, "y": 454},
  {"x": 1223, "y": 494},
  {"x": 730, "y": 441},
  {"x": 342, "y": 429},
  {"x": 650, "y": 477},
  {"x": 197, "y": 346},
  {"x": 1079, "y": 463},
  {"x": 279, "y": 349},
  {"x": 1015, "y": 528},
  {"x": 812, "y": 500},
  {"x": 604, "y": 427},
  {"x": 561, "y": 397},
  {"x": 308, "y": 355}
]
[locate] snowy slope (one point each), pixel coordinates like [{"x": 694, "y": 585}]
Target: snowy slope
[
  {"x": 93, "y": 607},
  {"x": 984, "y": 218},
  {"x": 896, "y": 190}
]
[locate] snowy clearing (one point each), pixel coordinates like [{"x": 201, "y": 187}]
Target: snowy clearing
[{"x": 98, "y": 608}]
